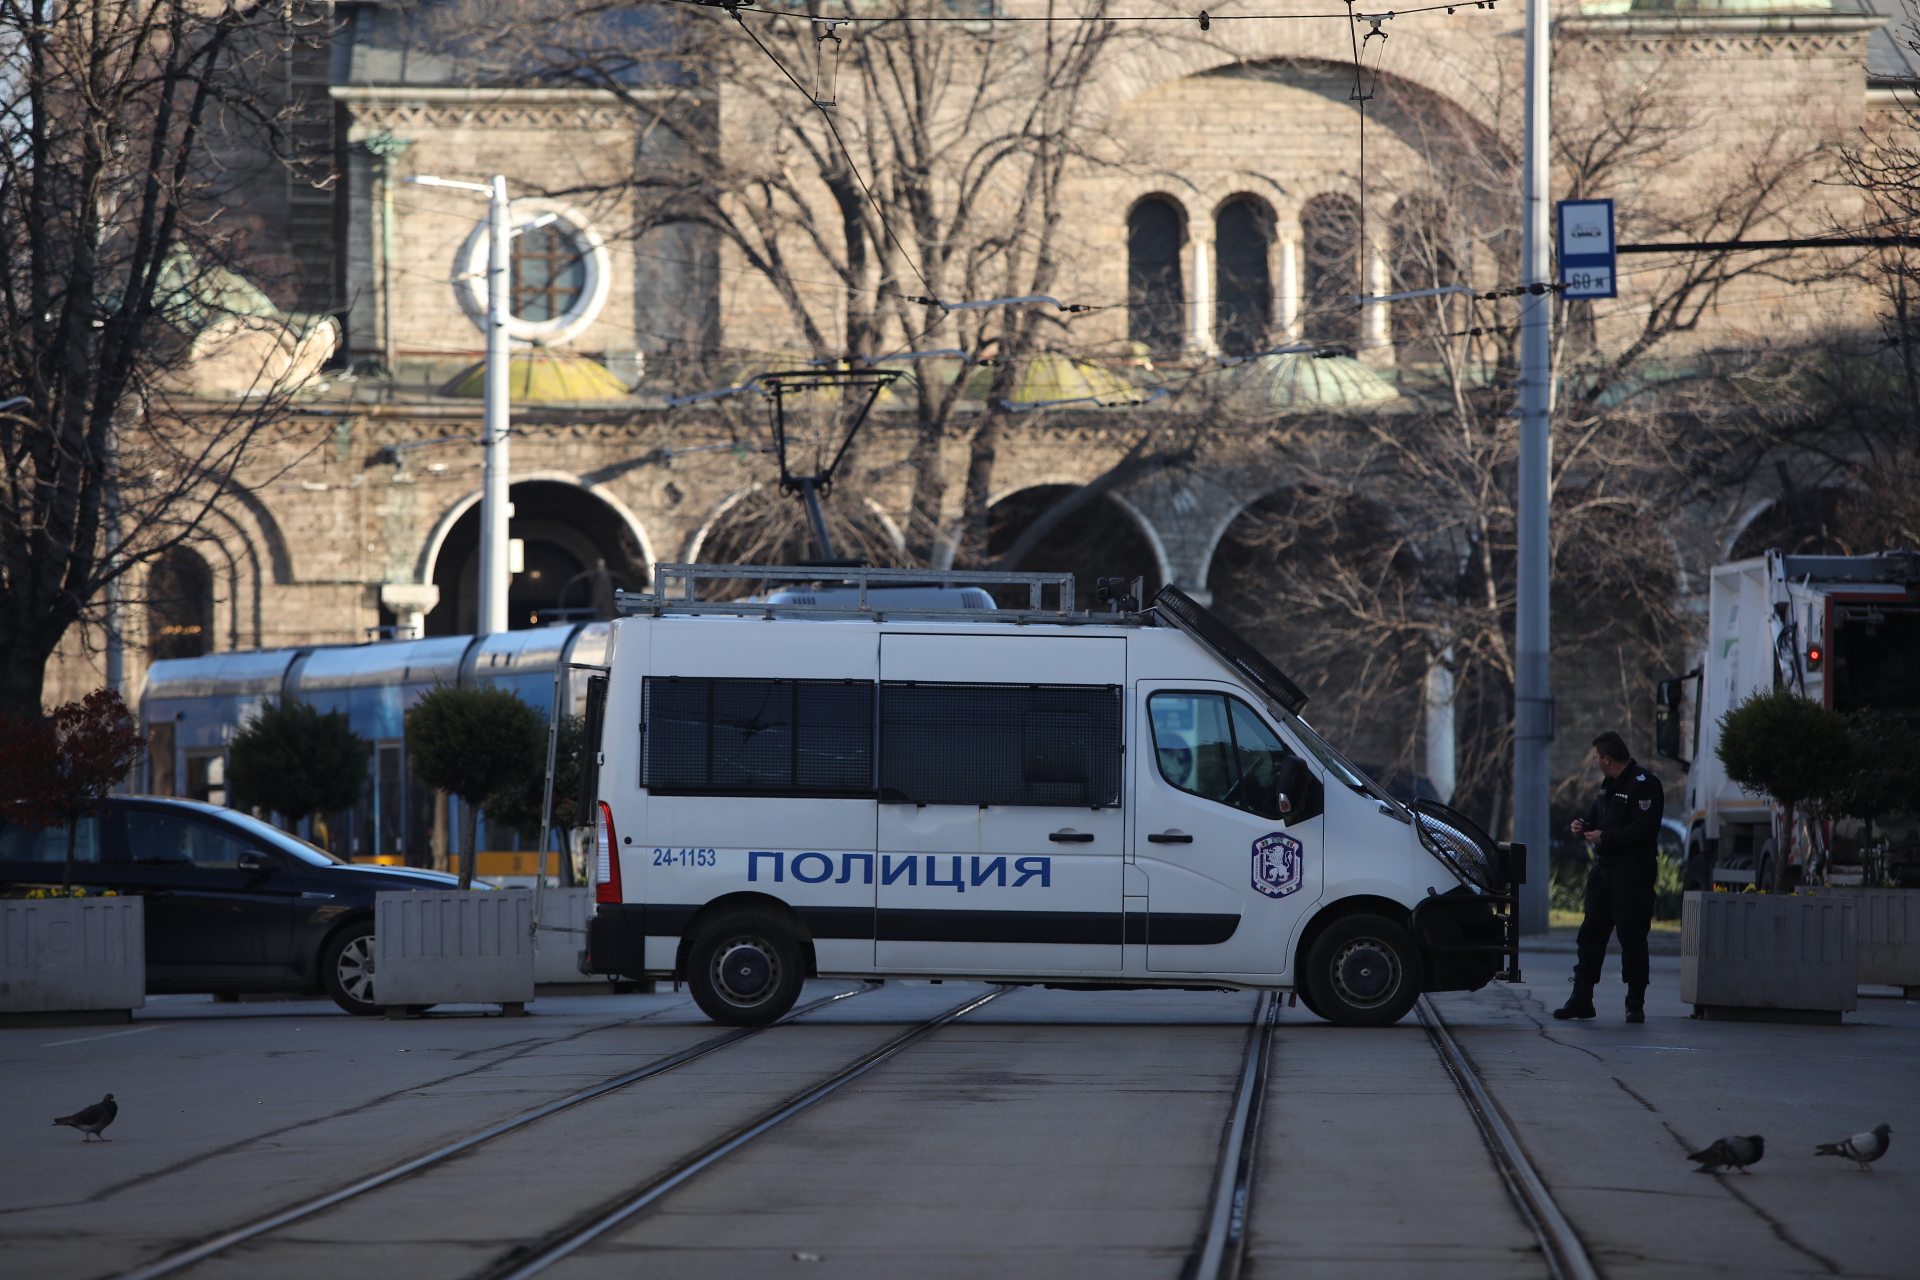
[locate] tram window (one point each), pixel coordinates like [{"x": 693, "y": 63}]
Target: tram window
[
  {"x": 758, "y": 737},
  {"x": 1000, "y": 744}
]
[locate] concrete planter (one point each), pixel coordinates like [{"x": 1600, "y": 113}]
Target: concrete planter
[
  {"x": 442, "y": 946},
  {"x": 562, "y": 937},
  {"x": 72, "y": 959},
  {"x": 1769, "y": 957},
  {"x": 1889, "y": 929}
]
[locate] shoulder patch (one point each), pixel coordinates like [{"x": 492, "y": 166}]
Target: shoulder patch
[{"x": 1640, "y": 777}]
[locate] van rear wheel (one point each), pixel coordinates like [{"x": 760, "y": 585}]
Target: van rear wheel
[
  {"x": 1363, "y": 971},
  {"x": 744, "y": 969}
]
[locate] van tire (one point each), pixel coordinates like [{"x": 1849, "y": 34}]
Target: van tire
[
  {"x": 744, "y": 969},
  {"x": 1363, "y": 971}
]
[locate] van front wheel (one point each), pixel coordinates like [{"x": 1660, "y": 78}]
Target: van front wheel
[
  {"x": 744, "y": 969},
  {"x": 1363, "y": 971}
]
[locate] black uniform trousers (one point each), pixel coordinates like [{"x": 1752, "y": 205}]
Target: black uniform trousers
[{"x": 1619, "y": 900}]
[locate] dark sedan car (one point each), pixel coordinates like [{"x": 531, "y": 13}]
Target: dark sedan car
[{"x": 233, "y": 904}]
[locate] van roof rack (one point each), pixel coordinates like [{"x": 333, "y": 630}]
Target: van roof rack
[{"x": 677, "y": 591}]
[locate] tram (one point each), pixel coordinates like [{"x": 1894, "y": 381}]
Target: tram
[{"x": 193, "y": 707}]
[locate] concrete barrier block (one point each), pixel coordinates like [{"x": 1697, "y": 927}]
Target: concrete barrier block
[
  {"x": 442, "y": 946},
  {"x": 72, "y": 954},
  {"x": 1889, "y": 929},
  {"x": 1784, "y": 954},
  {"x": 562, "y": 936}
]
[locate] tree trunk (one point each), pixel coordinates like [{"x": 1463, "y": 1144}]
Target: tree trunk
[
  {"x": 470, "y": 831},
  {"x": 1783, "y": 854}
]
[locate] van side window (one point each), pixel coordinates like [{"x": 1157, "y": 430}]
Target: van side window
[
  {"x": 757, "y": 737},
  {"x": 1216, "y": 747},
  {"x": 1000, "y": 744}
]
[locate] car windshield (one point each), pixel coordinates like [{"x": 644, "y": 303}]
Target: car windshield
[{"x": 286, "y": 840}]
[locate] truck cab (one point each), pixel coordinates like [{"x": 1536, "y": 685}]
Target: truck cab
[{"x": 860, "y": 782}]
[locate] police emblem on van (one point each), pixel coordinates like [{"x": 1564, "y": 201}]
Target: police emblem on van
[{"x": 1278, "y": 866}]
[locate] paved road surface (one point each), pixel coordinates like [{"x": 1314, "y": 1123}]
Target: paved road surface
[{"x": 1047, "y": 1134}]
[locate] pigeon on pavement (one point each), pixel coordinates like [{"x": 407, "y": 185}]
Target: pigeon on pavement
[
  {"x": 1730, "y": 1153},
  {"x": 91, "y": 1120},
  {"x": 1862, "y": 1148}
]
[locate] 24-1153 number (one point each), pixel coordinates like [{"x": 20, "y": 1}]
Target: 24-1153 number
[{"x": 685, "y": 858}]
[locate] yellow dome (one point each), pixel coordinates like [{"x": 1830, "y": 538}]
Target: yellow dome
[
  {"x": 535, "y": 377},
  {"x": 1051, "y": 377}
]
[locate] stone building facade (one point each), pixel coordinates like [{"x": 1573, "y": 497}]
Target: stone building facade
[{"x": 1232, "y": 180}]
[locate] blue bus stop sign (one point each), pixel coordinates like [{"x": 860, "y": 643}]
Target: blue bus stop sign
[{"x": 1587, "y": 249}]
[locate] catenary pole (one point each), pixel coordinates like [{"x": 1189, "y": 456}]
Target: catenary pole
[
  {"x": 494, "y": 506},
  {"x": 1533, "y": 687}
]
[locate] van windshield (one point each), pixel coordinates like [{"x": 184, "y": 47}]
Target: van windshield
[{"x": 1338, "y": 765}]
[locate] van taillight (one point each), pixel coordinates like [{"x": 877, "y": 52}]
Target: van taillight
[{"x": 607, "y": 862}]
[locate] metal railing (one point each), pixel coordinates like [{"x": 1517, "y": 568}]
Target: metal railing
[{"x": 676, "y": 591}]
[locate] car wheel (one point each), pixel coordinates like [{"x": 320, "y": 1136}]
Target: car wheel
[
  {"x": 744, "y": 969},
  {"x": 1697, "y": 871},
  {"x": 1363, "y": 971},
  {"x": 346, "y": 968},
  {"x": 1763, "y": 868},
  {"x": 1306, "y": 998}
]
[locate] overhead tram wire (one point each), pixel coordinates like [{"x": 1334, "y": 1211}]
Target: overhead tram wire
[{"x": 1205, "y": 16}]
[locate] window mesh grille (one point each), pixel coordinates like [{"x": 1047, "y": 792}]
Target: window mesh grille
[
  {"x": 1000, "y": 744},
  {"x": 733, "y": 737}
]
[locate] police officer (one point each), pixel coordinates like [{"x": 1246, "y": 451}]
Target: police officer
[{"x": 1622, "y": 829}]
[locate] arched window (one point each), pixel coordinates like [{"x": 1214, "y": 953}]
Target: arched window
[
  {"x": 549, "y": 273},
  {"x": 1330, "y": 269},
  {"x": 1422, "y": 259},
  {"x": 1243, "y": 289},
  {"x": 179, "y": 605},
  {"x": 1156, "y": 300}
]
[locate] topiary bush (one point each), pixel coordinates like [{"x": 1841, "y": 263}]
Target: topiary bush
[
  {"x": 474, "y": 743},
  {"x": 1788, "y": 748},
  {"x": 296, "y": 761}
]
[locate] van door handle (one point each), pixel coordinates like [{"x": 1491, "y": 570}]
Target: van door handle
[
  {"x": 1169, "y": 837},
  {"x": 1071, "y": 837}
]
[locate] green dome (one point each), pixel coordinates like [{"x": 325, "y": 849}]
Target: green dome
[{"x": 1305, "y": 384}]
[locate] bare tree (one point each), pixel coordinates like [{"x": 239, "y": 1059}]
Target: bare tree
[
  {"x": 126, "y": 125},
  {"x": 1386, "y": 570},
  {"x": 913, "y": 164}
]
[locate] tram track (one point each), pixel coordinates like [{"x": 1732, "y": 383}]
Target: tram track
[
  {"x": 531, "y": 1261},
  {"x": 266, "y": 1224},
  {"x": 1218, "y": 1253},
  {"x": 1566, "y": 1254},
  {"x": 1222, "y": 1246}
]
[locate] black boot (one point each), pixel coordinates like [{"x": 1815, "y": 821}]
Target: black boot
[
  {"x": 1637, "y": 1004},
  {"x": 1579, "y": 1004}
]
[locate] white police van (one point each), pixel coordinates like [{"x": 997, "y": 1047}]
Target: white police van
[{"x": 879, "y": 781}]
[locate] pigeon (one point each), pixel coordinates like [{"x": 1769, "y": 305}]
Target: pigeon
[
  {"x": 91, "y": 1120},
  {"x": 1862, "y": 1148},
  {"x": 1730, "y": 1153}
]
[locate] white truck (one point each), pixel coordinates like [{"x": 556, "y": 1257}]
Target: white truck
[
  {"x": 882, "y": 780},
  {"x": 1843, "y": 630}
]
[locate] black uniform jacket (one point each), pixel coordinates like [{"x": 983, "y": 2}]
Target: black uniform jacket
[{"x": 1627, "y": 814}]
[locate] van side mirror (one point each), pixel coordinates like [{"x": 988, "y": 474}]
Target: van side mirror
[{"x": 1297, "y": 795}]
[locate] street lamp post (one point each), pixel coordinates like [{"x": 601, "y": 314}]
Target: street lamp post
[
  {"x": 1532, "y": 684},
  {"x": 494, "y": 507}
]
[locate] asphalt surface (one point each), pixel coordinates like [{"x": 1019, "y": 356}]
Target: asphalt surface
[{"x": 1046, "y": 1134}]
